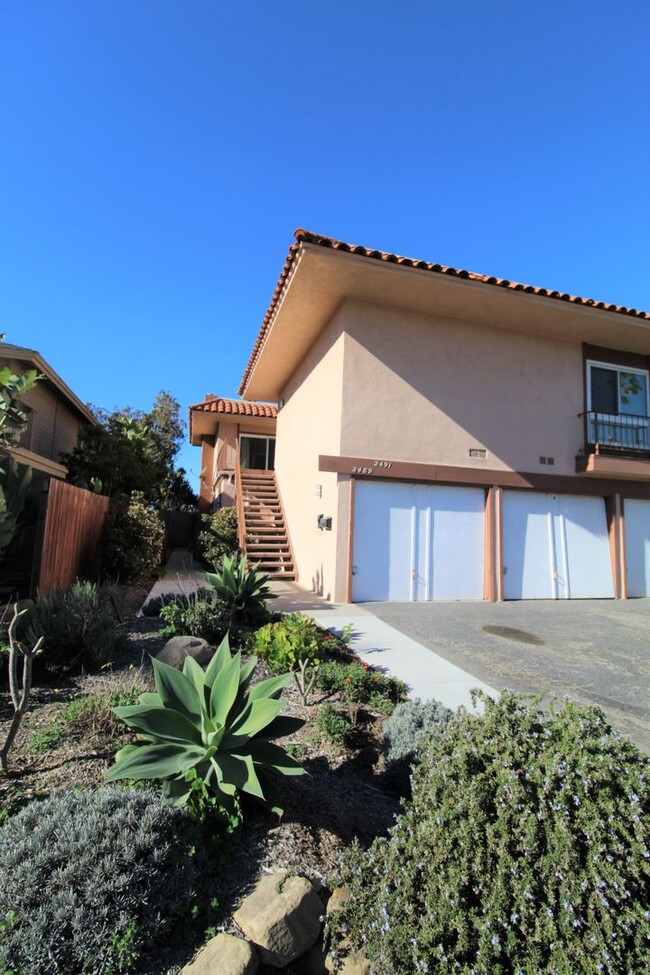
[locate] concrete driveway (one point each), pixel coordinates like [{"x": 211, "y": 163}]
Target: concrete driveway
[{"x": 598, "y": 651}]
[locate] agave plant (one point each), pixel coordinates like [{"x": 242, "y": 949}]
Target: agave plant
[
  {"x": 242, "y": 588},
  {"x": 210, "y": 724}
]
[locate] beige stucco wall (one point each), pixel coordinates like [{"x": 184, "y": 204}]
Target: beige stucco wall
[
  {"x": 417, "y": 388},
  {"x": 309, "y": 424}
]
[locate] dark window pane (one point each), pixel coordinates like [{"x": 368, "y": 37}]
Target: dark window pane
[
  {"x": 253, "y": 453},
  {"x": 604, "y": 390}
]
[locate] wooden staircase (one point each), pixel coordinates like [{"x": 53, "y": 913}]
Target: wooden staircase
[{"x": 265, "y": 536}]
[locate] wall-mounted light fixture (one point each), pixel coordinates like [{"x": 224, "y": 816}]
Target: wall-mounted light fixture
[
  {"x": 319, "y": 490},
  {"x": 325, "y": 523}
]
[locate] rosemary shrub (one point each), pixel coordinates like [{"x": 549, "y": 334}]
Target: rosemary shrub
[{"x": 525, "y": 850}]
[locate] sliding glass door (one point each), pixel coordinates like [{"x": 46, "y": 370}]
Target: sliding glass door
[{"x": 257, "y": 453}]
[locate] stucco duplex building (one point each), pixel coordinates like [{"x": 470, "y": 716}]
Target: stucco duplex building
[{"x": 437, "y": 434}]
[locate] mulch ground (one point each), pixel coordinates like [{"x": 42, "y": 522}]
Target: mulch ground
[{"x": 346, "y": 794}]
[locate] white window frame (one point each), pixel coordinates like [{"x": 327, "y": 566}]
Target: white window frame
[
  {"x": 641, "y": 422},
  {"x": 257, "y": 436}
]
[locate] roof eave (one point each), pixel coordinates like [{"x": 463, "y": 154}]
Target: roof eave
[
  {"x": 253, "y": 382},
  {"x": 38, "y": 362}
]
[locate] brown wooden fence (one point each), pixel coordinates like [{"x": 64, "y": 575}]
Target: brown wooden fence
[{"x": 71, "y": 536}]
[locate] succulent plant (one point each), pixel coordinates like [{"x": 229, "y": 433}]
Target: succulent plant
[
  {"x": 214, "y": 723},
  {"x": 241, "y": 587}
]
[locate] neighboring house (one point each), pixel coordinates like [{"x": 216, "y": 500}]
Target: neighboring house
[
  {"x": 441, "y": 434},
  {"x": 54, "y": 416}
]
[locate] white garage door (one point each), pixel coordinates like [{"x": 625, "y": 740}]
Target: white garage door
[
  {"x": 555, "y": 546},
  {"x": 637, "y": 547},
  {"x": 415, "y": 541}
]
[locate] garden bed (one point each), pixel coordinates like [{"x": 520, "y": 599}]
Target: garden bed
[{"x": 345, "y": 794}]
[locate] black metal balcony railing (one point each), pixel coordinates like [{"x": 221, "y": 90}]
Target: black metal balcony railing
[{"x": 616, "y": 432}]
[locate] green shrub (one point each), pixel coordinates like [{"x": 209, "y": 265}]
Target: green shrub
[
  {"x": 89, "y": 880},
  {"x": 334, "y": 726},
  {"x": 219, "y": 536},
  {"x": 212, "y": 725},
  {"x": 524, "y": 849},
  {"x": 285, "y": 644},
  {"x": 78, "y": 626},
  {"x": 132, "y": 540},
  {"x": 359, "y": 683},
  {"x": 199, "y": 614}
]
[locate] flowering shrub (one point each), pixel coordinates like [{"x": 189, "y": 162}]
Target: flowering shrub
[
  {"x": 359, "y": 683},
  {"x": 525, "y": 850}
]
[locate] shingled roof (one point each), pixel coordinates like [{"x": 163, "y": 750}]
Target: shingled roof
[{"x": 305, "y": 236}]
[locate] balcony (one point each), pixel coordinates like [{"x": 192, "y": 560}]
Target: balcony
[
  {"x": 616, "y": 445},
  {"x": 616, "y": 433}
]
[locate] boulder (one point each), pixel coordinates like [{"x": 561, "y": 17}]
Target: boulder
[
  {"x": 314, "y": 962},
  {"x": 282, "y": 917},
  {"x": 355, "y": 963},
  {"x": 179, "y": 647},
  {"x": 224, "y": 955},
  {"x": 337, "y": 900}
]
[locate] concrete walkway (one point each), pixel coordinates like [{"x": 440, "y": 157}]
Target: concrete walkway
[
  {"x": 427, "y": 674},
  {"x": 183, "y": 575}
]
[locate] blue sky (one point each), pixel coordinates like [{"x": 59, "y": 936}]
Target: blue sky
[{"x": 156, "y": 156}]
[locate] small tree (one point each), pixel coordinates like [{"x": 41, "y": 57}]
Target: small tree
[
  {"x": 130, "y": 450},
  {"x": 19, "y": 690}
]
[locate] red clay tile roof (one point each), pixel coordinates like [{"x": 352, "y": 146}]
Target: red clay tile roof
[
  {"x": 330, "y": 242},
  {"x": 235, "y": 407}
]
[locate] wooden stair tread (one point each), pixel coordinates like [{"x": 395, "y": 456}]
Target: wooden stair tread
[{"x": 266, "y": 540}]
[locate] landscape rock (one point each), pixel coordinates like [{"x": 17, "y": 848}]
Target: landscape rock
[
  {"x": 337, "y": 900},
  {"x": 224, "y": 955},
  {"x": 314, "y": 962},
  {"x": 356, "y": 963},
  {"x": 179, "y": 647},
  {"x": 282, "y": 917}
]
